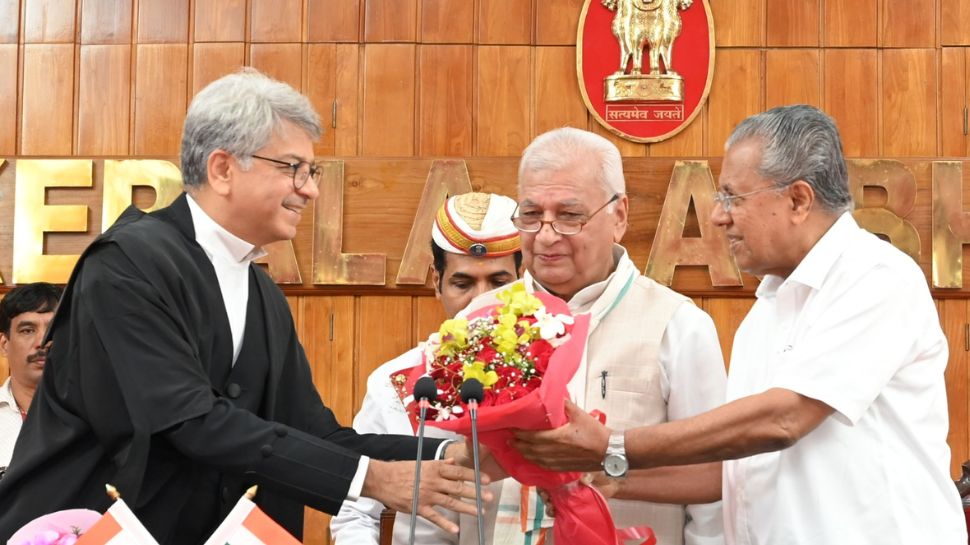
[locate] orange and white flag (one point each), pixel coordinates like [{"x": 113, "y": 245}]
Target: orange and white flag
[
  {"x": 247, "y": 524},
  {"x": 118, "y": 526}
]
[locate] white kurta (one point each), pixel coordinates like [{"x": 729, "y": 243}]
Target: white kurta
[
  {"x": 382, "y": 411},
  {"x": 853, "y": 326}
]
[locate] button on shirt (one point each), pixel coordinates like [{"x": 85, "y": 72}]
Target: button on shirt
[
  {"x": 231, "y": 258},
  {"x": 10, "y": 422},
  {"x": 853, "y": 326}
]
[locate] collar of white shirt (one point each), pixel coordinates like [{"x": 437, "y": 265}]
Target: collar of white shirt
[
  {"x": 815, "y": 266},
  {"x": 217, "y": 241},
  {"x": 6, "y": 396}
]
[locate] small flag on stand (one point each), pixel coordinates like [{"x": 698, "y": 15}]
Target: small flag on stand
[
  {"x": 118, "y": 526},
  {"x": 247, "y": 524}
]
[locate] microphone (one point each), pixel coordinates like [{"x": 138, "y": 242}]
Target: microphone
[
  {"x": 425, "y": 392},
  {"x": 472, "y": 392}
]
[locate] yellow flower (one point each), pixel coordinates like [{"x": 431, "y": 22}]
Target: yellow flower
[
  {"x": 454, "y": 336},
  {"x": 518, "y": 301},
  {"x": 477, "y": 371},
  {"x": 504, "y": 335}
]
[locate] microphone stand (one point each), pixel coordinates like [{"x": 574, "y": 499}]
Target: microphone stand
[
  {"x": 423, "y": 404},
  {"x": 473, "y": 409}
]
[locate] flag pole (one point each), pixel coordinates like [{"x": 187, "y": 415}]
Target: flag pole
[
  {"x": 112, "y": 492},
  {"x": 251, "y": 492}
]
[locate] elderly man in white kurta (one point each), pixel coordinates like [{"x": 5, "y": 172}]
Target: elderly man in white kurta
[
  {"x": 836, "y": 422},
  {"x": 652, "y": 356},
  {"x": 476, "y": 248}
]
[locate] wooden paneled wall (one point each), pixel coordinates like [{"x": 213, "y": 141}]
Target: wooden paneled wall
[{"x": 470, "y": 78}]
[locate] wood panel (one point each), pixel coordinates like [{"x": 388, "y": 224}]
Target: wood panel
[
  {"x": 332, "y": 71},
  {"x": 390, "y": 20},
  {"x": 793, "y": 23},
  {"x": 954, "y": 15},
  {"x": 503, "y": 91},
  {"x": 49, "y": 21},
  {"x": 556, "y": 100},
  {"x": 736, "y": 93},
  {"x": 161, "y": 83},
  {"x": 505, "y": 22},
  {"x": 283, "y": 62},
  {"x": 953, "y": 100},
  {"x": 557, "y": 22},
  {"x": 211, "y": 61},
  {"x": 445, "y": 98},
  {"x": 793, "y": 76},
  {"x": 163, "y": 21},
  {"x": 739, "y": 23},
  {"x": 104, "y": 93},
  {"x": 374, "y": 346},
  {"x": 276, "y": 20},
  {"x": 220, "y": 20},
  {"x": 954, "y": 319},
  {"x": 333, "y": 20},
  {"x": 48, "y": 99},
  {"x": 388, "y": 100},
  {"x": 908, "y": 24},
  {"x": 105, "y": 21},
  {"x": 8, "y": 99},
  {"x": 428, "y": 316},
  {"x": 850, "y": 86},
  {"x": 909, "y": 102},
  {"x": 447, "y": 21},
  {"x": 727, "y": 315},
  {"x": 850, "y": 23},
  {"x": 9, "y": 22}
]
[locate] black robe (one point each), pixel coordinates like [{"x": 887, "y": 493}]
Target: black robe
[{"x": 134, "y": 394}]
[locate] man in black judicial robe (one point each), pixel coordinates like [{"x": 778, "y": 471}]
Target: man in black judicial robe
[{"x": 141, "y": 388}]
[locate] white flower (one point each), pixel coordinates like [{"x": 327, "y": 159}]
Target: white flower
[{"x": 551, "y": 325}]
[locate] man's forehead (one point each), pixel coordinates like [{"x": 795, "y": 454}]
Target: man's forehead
[{"x": 31, "y": 318}]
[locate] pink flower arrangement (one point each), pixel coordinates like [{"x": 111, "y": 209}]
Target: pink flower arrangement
[{"x": 59, "y": 528}]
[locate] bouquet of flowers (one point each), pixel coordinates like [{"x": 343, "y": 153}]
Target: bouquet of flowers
[
  {"x": 59, "y": 528},
  {"x": 524, "y": 351}
]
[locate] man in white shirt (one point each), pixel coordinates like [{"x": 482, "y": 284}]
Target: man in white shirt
[
  {"x": 835, "y": 429},
  {"x": 476, "y": 248},
  {"x": 652, "y": 355},
  {"x": 25, "y": 313},
  {"x": 176, "y": 373}
]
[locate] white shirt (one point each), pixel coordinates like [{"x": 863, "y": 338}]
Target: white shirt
[
  {"x": 853, "y": 326},
  {"x": 231, "y": 258},
  {"x": 10, "y": 422},
  {"x": 383, "y": 412}
]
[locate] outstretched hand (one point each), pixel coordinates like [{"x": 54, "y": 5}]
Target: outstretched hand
[
  {"x": 579, "y": 445},
  {"x": 443, "y": 484}
]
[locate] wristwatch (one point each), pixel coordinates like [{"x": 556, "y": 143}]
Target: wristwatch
[{"x": 615, "y": 464}]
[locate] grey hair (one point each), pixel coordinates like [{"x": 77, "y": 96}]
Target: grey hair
[
  {"x": 239, "y": 113},
  {"x": 800, "y": 143},
  {"x": 561, "y": 148}
]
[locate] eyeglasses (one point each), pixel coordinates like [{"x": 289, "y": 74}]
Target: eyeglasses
[
  {"x": 726, "y": 200},
  {"x": 302, "y": 171},
  {"x": 533, "y": 224}
]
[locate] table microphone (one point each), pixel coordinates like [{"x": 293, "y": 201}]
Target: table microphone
[
  {"x": 425, "y": 392},
  {"x": 472, "y": 393}
]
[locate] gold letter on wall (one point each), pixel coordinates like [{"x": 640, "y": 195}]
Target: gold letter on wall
[
  {"x": 445, "y": 178},
  {"x": 951, "y": 225},
  {"x": 690, "y": 180},
  {"x": 32, "y": 218},
  {"x": 330, "y": 264},
  {"x": 900, "y": 186},
  {"x": 121, "y": 178}
]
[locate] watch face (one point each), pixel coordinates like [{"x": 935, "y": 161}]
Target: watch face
[{"x": 615, "y": 465}]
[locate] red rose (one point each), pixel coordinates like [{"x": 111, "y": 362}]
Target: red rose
[{"x": 541, "y": 351}]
